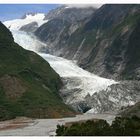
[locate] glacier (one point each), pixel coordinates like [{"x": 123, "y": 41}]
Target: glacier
[
  {"x": 82, "y": 90},
  {"x": 78, "y": 82}
]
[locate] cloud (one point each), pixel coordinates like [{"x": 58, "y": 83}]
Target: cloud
[{"x": 84, "y": 5}]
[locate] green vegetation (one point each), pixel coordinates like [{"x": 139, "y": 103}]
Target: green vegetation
[
  {"x": 28, "y": 85},
  {"x": 120, "y": 127},
  {"x": 5, "y": 35},
  {"x": 129, "y": 21},
  {"x": 126, "y": 42}
]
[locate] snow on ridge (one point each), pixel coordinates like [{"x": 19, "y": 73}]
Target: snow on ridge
[
  {"x": 38, "y": 16},
  {"x": 16, "y": 24}
]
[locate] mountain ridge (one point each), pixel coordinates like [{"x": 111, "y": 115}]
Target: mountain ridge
[
  {"x": 105, "y": 42},
  {"x": 28, "y": 85},
  {"x": 106, "y": 26}
]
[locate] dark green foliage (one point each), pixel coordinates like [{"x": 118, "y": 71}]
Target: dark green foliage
[
  {"x": 89, "y": 128},
  {"x": 126, "y": 126},
  {"x": 133, "y": 53},
  {"x": 5, "y": 35},
  {"x": 8, "y": 109},
  {"x": 60, "y": 130},
  {"x": 120, "y": 127},
  {"x": 41, "y": 83}
]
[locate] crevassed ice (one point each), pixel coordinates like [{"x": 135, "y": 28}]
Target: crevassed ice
[{"x": 88, "y": 83}]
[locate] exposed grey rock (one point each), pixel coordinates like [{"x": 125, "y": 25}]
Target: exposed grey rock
[
  {"x": 113, "y": 99},
  {"x": 111, "y": 35},
  {"x": 130, "y": 111},
  {"x": 126, "y": 93},
  {"x": 105, "y": 42},
  {"x": 63, "y": 22},
  {"x": 31, "y": 27},
  {"x": 71, "y": 14}
]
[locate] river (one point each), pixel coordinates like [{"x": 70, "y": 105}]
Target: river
[{"x": 46, "y": 127}]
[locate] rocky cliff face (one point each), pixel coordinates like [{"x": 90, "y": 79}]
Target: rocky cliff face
[
  {"x": 131, "y": 111},
  {"x": 114, "y": 49},
  {"x": 105, "y": 41},
  {"x": 31, "y": 27},
  {"x": 63, "y": 22},
  {"x": 70, "y": 14}
]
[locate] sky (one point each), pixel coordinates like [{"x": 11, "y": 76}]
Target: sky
[{"x": 13, "y": 11}]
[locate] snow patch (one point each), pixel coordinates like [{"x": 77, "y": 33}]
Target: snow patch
[{"x": 16, "y": 24}]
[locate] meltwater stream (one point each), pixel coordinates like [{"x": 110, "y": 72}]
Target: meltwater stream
[{"x": 78, "y": 83}]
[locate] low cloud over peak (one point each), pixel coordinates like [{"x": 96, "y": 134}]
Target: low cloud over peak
[{"x": 84, "y": 5}]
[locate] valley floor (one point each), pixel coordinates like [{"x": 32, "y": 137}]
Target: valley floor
[{"x": 43, "y": 127}]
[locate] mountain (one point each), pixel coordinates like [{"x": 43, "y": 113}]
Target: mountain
[
  {"x": 116, "y": 28},
  {"x": 28, "y": 85},
  {"x": 70, "y": 14},
  {"x": 90, "y": 36},
  {"x": 29, "y": 20},
  {"x": 106, "y": 42},
  {"x": 62, "y": 23}
]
